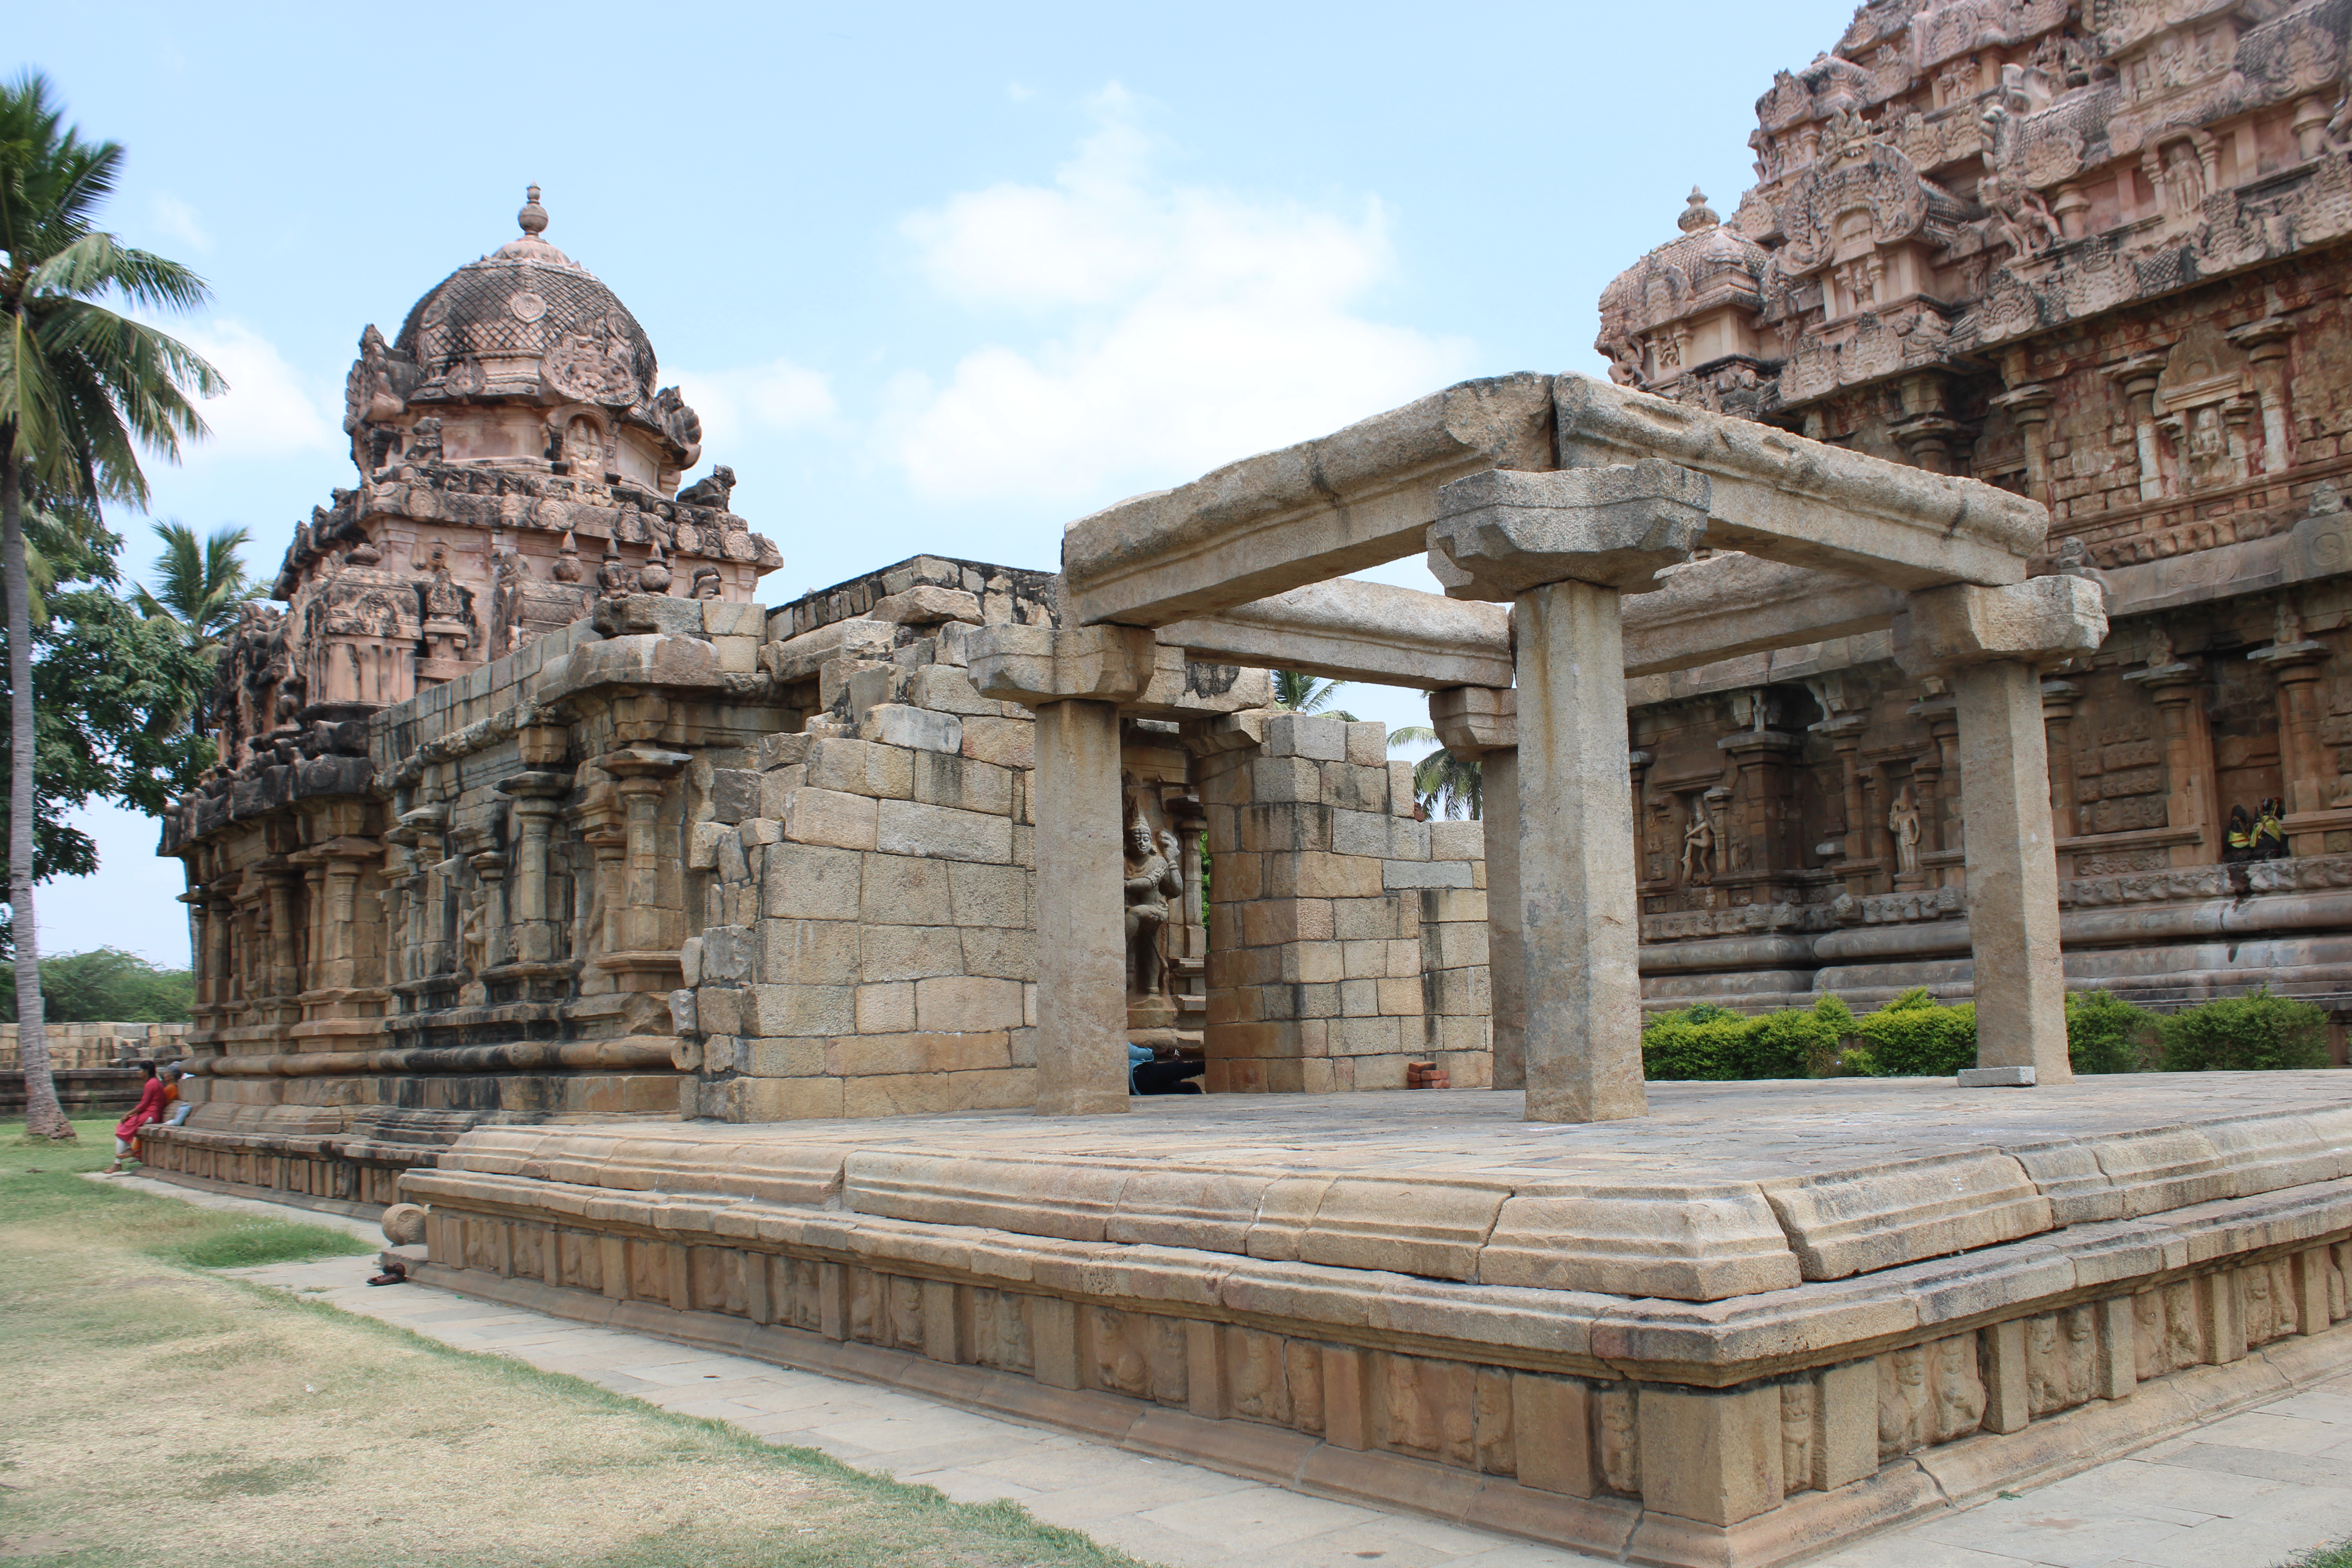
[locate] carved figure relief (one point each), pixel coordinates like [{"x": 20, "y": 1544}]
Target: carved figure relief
[
  {"x": 1253, "y": 1362},
  {"x": 1699, "y": 839},
  {"x": 1120, "y": 1363},
  {"x": 1904, "y": 823},
  {"x": 1796, "y": 1403},
  {"x": 1621, "y": 1469},
  {"x": 1152, "y": 879},
  {"x": 1905, "y": 1416}
]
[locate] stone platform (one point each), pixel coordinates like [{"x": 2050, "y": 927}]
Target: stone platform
[{"x": 1752, "y": 1324}]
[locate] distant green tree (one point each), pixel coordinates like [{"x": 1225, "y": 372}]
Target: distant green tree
[
  {"x": 1445, "y": 784},
  {"x": 82, "y": 389},
  {"x": 109, "y": 986},
  {"x": 200, "y": 584},
  {"x": 1301, "y": 693}
]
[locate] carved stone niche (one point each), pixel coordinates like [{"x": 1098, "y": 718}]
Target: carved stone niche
[{"x": 2205, "y": 403}]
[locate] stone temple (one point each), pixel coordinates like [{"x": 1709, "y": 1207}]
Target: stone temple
[{"x": 1957, "y": 540}]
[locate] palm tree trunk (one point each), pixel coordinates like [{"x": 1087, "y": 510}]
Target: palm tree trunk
[{"x": 44, "y": 1117}]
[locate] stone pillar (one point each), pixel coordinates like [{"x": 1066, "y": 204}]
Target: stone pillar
[
  {"x": 2013, "y": 871},
  {"x": 2266, "y": 342},
  {"x": 2058, "y": 699},
  {"x": 2029, "y": 407},
  {"x": 1844, "y": 731},
  {"x": 1988, "y": 642},
  {"x": 284, "y": 968},
  {"x": 2306, "y": 776},
  {"x": 345, "y": 863},
  {"x": 1074, "y": 680},
  {"x": 537, "y": 801},
  {"x": 2137, "y": 377},
  {"x": 1483, "y": 722},
  {"x": 2177, "y": 689},
  {"x": 643, "y": 954},
  {"x": 1564, "y": 546},
  {"x": 219, "y": 983}
]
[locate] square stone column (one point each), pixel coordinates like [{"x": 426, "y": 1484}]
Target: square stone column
[
  {"x": 2013, "y": 870},
  {"x": 1074, "y": 680},
  {"x": 1989, "y": 642},
  {"x": 1564, "y": 547},
  {"x": 1483, "y": 722}
]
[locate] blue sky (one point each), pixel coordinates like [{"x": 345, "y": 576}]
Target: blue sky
[{"x": 937, "y": 278}]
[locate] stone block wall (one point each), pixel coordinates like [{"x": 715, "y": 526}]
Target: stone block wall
[
  {"x": 868, "y": 944},
  {"x": 1348, "y": 938},
  {"x": 94, "y": 1044}
]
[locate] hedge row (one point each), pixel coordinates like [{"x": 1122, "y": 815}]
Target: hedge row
[{"x": 1914, "y": 1036}]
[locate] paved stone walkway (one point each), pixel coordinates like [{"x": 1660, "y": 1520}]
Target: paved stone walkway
[{"x": 2250, "y": 1490}]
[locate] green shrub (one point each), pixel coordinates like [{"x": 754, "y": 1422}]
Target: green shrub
[
  {"x": 1697, "y": 1042},
  {"x": 2106, "y": 1034},
  {"x": 1912, "y": 1036},
  {"x": 1785, "y": 1045},
  {"x": 2257, "y": 1032}
]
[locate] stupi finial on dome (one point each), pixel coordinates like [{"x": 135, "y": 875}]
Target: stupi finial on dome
[
  {"x": 533, "y": 217},
  {"x": 1698, "y": 215}
]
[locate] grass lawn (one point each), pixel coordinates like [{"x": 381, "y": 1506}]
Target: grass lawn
[{"x": 162, "y": 1414}]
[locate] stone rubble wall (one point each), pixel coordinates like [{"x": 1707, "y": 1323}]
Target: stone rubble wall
[
  {"x": 1347, "y": 937},
  {"x": 868, "y": 944}
]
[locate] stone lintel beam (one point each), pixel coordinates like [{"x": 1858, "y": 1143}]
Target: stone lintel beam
[
  {"x": 1734, "y": 604},
  {"x": 1304, "y": 514},
  {"x": 1499, "y": 535},
  {"x": 1350, "y": 630},
  {"x": 2036, "y": 622},
  {"x": 1041, "y": 664},
  {"x": 1781, "y": 496}
]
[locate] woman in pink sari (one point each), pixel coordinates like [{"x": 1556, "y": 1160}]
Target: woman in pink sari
[{"x": 148, "y": 1109}]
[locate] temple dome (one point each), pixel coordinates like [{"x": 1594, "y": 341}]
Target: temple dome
[{"x": 528, "y": 302}]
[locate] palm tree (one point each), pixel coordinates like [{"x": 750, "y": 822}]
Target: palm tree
[
  {"x": 1445, "y": 782},
  {"x": 202, "y": 584},
  {"x": 82, "y": 388},
  {"x": 1301, "y": 693}
]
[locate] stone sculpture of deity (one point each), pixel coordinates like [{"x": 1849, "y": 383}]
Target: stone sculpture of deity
[
  {"x": 1698, "y": 846},
  {"x": 1152, "y": 879},
  {"x": 1904, "y": 823}
]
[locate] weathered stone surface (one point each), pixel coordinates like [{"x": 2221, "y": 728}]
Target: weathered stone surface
[
  {"x": 1350, "y": 630},
  {"x": 2043, "y": 620},
  {"x": 1304, "y": 514},
  {"x": 1040, "y": 664},
  {"x": 1500, "y": 534},
  {"x": 1789, "y": 500}
]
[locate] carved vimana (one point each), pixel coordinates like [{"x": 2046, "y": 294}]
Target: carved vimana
[{"x": 514, "y": 422}]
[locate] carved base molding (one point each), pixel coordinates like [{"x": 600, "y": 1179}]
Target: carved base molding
[
  {"x": 1742, "y": 1431},
  {"x": 806, "y": 1314}
]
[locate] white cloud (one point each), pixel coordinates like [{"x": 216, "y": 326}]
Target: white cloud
[
  {"x": 271, "y": 409},
  {"x": 178, "y": 219},
  {"x": 736, "y": 406},
  {"x": 1185, "y": 326}
]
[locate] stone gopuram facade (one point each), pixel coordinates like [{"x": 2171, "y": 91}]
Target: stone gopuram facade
[{"x": 2094, "y": 255}]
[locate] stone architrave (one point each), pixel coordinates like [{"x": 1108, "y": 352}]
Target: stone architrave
[
  {"x": 1483, "y": 722},
  {"x": 1987, "y": 641},
  {"x": 1075, "y": 681},
  {"x": 1565, "y": 547}
]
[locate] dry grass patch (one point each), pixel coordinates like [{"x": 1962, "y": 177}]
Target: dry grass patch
[{"x": 165, "y": 1416}]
